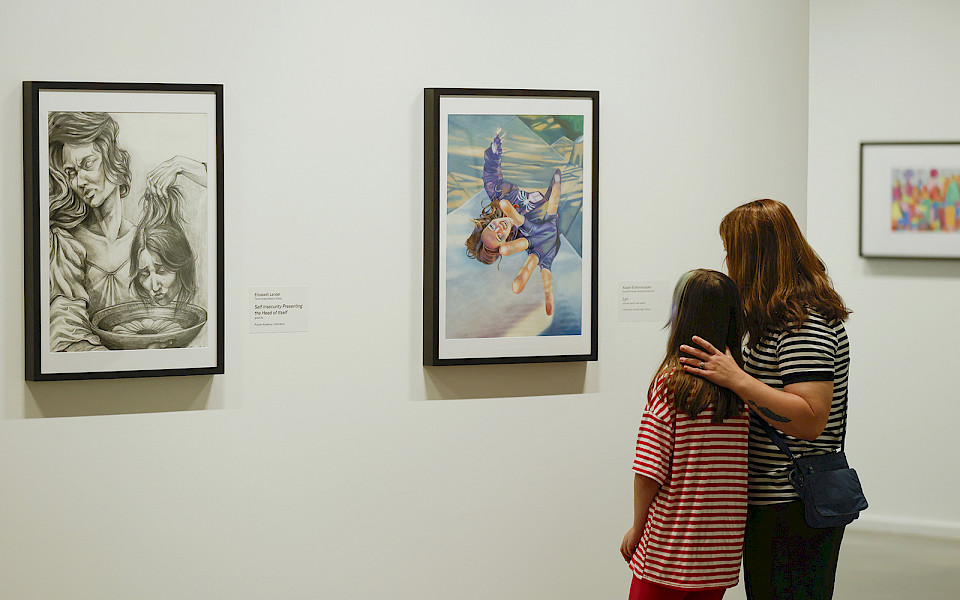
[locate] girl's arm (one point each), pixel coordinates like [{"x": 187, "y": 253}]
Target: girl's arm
[
  {"x": 800, "y": 409},
  {"x": 514, "y": 246},
  {"x": 510, "y": 212},
  {"x": 644, "y": 491}
]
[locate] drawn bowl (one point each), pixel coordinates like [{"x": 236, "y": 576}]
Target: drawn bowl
[{"x": 139, "y": 326}]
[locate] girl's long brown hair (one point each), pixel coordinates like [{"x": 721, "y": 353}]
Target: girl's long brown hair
[
  {"x": 707, "y": 304},
  {"x": 780, "y": 278},
  {"x": 475, "y": 248}
]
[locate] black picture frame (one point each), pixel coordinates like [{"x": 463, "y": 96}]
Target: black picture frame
[
  {"x": 910, "y": 199},
  {"x": 472, "y": 313},
  {"x": 123, "y": 251}
]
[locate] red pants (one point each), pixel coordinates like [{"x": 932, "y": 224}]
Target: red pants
[{"x": 641, "y": 589}]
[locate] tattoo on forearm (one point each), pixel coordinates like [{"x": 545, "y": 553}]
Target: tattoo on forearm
[{"x": 769, "y": 413}]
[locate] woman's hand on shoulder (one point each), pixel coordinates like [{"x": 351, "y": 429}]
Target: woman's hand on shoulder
[{"x": 712, "y": 364}]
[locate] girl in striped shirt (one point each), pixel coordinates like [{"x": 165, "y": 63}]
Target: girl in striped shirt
[{"x": 690, "y": 471}]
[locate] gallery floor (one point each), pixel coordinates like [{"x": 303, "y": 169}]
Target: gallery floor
[{"x": 880, "y": 566}]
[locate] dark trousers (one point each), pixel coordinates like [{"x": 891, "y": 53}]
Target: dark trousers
[{"x": 784, "y": 558}]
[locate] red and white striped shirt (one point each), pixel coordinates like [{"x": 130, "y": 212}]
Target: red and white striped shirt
[{"x": 693, "y": 537}]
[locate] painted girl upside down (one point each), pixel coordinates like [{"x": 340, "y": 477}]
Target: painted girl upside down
[{"x": 505, "y": 225}]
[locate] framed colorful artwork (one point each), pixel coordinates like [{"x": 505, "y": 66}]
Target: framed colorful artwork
[
  {"x": 123, "y": 229},
  {"x": 510, "y": 226},
  {"x": 910, "y": 199}
]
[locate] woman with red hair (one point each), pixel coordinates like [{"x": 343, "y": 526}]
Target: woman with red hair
[{"x": 794, "y": 377}]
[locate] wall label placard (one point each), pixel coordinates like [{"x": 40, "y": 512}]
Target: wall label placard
[
  {"x": 644, "y": 301},
  {"x": 279, "y": 309}
]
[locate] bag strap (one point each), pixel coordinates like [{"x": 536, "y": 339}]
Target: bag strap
[
  {"x": 843, "y": 428},
  {"x": 776, "y": 438}
]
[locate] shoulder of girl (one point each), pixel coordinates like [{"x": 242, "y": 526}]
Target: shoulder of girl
[
  {"x": 660, "y": 401},
  {"x": 660, "y": 381}
]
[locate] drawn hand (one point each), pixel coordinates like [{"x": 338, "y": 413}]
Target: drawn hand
[
  {"x": 84, "y": 346},
  {"x": 165, "y": 174},
  {"x": 710, "y": 363}
]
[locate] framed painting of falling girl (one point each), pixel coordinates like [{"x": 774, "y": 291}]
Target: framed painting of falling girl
[
  {"x": 123, "y": 229},
  {"x": 510, "y": 226}
]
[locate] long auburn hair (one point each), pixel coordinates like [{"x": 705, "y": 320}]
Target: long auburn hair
[
  {"x": 780, "y": 277},
  {"x": 705, "y": 303}
]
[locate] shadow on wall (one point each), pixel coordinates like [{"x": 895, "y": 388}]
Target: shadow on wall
[
  {"x": 116, "y": 396},
  {"x": 505, "y": 381}
]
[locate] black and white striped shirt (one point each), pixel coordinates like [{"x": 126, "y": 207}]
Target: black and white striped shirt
[{"x": 818, "y": 351}]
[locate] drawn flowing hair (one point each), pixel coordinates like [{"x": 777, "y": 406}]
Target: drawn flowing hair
[
  {"x": 780, "y": 277},
  {"x": 157, "y": 209},
  {"x": 75, "y": 128},
  {"x": 160, "y": 232},
  {"x": 475, "y": 247},
  {"x": 707, "y": 304}
]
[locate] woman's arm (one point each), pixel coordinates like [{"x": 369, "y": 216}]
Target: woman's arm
[
  {"x": 644, "y": 491},
  {"x": 800, "y": 409}
]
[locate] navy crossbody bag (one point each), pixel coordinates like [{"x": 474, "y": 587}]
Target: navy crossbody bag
[{"x": 829, "y": 489}]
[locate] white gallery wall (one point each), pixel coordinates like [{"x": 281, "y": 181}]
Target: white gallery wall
[
  {"x": 885, "y": 71},
  {"x": 331, "y": 464}
]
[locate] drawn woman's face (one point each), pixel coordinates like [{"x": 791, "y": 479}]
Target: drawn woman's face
[
  {"x": 158, "y": 279},
  {"x": 83, "y": 168},
  {"x": 496, "y": 232}
]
